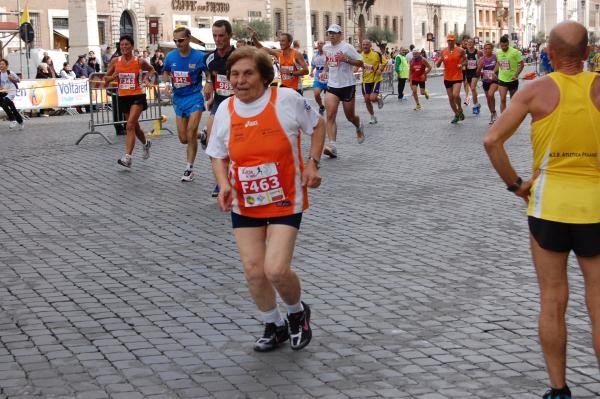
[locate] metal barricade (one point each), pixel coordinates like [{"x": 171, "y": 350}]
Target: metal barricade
[
  {"x": 105, "y": 113},
  {"x": 388, "y": 87}
]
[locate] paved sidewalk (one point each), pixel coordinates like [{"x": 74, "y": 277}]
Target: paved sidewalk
[{"x": 126, "y": 284}]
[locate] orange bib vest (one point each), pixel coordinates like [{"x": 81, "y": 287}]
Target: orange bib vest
[
  {"x": 129, "y": 76},
  {"x": 287, "y": 65},
  {"x": 265, "y": 169}
]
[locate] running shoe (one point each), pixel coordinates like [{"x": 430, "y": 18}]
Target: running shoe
[
  {"x": 494, "y": 117},
  {"x": 330, "y": 151},
  {"x": 373, "y": 120},
  {"x": 188, "y": 175},
  {"x": 272, "y": 337},
  {"x": 146, "y": 149},
  {"x": 427, "y": 94},
  {"x": 379, "y": 102},
  {"x": 400, "y": 98},
  {"x": 564, "y": 393},
  {"x": 417, "y": 107},
  {"x": 321, "y": 110},
  {"x": 461, "y": 116},
  {"x": 455, "y": 120},
  {"x": 360, "y": 134},
  {"x": 125, "y": 161},
  {"x": 215, "y": 192},
  {"x": 476, "y": 109},
  {"x": 21, "y": 126},
  {"x": 467, "y": 100},
  {"x": 203, "y": 138},
  {"x": 12, "y": 124},
  {"x": 300, "y": 332}
]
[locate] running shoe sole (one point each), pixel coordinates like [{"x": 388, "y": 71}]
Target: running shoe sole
[{"x": 329, "y": 152}]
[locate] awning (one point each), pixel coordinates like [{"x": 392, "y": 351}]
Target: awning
[
  {"x": 62, "y": 32},
  {"x": 9, "y": 27}
]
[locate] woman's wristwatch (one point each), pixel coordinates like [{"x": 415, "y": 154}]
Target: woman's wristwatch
[{"x": 316, "y": 161}]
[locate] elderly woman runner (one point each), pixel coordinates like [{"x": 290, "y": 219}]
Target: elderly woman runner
[{"x": 257, "y": 161}]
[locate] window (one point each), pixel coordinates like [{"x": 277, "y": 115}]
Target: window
[
  {"x": 326, "y": 21},
  {"x": 480, "y": 17},
  {"x": 456, "y": 29},
  {"x": 203, "y": 23},
  {"x": 445, "y": 28},
  {"x": 378, "y": 21},
  {"x": 518, "y": 18},
  {"x": 101, "y": 32},
  {"x": 423, "y": 29},
  {"x": 395, "y": 26},
  {"x": 278, "y": 22},
  {"x": 254, "y": 14},
  {"x": 339, "y": 19},
  {"x": 487, "y": 17},
  {"x": 369, "y": 15},
  {"x": 401, "y": 29},
  {"x": 37, "y": 31},
  {"x": 60, "y": 23},
  {"x": 493, "y": 18},
  {"x": 314, "y": 17},
  {"x": 386, "y": 23}
]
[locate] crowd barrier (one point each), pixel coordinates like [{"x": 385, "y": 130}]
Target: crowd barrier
[{"x": 104, "y": 107}]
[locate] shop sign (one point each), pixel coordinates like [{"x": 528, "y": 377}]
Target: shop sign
[{"x": 193, "y": 5}]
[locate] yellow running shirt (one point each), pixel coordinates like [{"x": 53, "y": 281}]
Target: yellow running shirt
[
  {"x": 566, "y": 151},
  {"x": 372, "y": 62}
]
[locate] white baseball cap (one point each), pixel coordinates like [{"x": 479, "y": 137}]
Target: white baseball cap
[{"x": 334, "y": 28}]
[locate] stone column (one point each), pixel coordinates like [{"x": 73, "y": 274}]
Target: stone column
[
  {"x": 83, "y": 29},
  {"x": 471, "y": 18},
  {"x": 409, "y": 30},
  {"x": 299, "y": 25}
]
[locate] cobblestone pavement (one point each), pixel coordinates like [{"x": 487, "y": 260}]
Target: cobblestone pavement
[{"x": 126, "y": 284}]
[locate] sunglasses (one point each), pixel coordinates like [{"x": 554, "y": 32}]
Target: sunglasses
[{"x": 179, "y": 40}]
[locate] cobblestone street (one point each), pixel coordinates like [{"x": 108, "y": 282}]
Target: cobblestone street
[{"x": 414, "y": 258}]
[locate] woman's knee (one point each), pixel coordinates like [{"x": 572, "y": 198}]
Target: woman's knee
[{"x": 277, "y": 274}]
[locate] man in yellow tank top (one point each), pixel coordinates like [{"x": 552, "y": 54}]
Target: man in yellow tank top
[
  {"x": 371, "y": 78},
  {"x": 563, "y": 196}
]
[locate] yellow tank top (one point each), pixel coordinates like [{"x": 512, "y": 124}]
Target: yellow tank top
[
  {"x": 566, "y": 151},
  {"x": 372, "y": 62}
]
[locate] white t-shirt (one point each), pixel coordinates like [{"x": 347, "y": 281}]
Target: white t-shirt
[
  {"x": 293, "y": 111},
  {"x": 340, "y": 73},
  {"x": 6, "y": 84}
]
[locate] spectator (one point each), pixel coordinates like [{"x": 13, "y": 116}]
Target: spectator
[
  {"x": 81, "y": 69},
  {"x": 51, "y": 70},
  {"x": 106, "y": 58},
  {"x": 93, "y": 65},
  {"x": 146, "y": 56},
  {"x": 8, "y": 82},
  {"x": 43, "y": 73},
  {"x": 67, "y": 72},
  {"x": 158, "y": 62}
]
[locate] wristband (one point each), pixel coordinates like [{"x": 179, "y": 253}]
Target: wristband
[{"x": 515, "y": 186}]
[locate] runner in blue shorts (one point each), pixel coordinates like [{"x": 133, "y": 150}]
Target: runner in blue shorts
[
  {"x": 183, "y": 72},
  {"x": 317, "y": 66}
]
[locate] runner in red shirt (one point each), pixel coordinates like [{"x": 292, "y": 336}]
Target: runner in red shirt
[{"x": 419, "y": 68}]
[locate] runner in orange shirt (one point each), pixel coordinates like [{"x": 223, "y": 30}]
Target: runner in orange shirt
[
  {"x": 257, "y": 160},
  {"x": 127, "y": 71},
  {"x": 454, "y": 59}
]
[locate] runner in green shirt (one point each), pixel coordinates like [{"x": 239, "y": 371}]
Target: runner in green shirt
[{"x": 509, "y": 66}]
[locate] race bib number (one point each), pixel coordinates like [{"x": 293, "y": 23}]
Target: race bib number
[
  {"x": 471, "y": 64},
  {"x": 223, "y": 87},
  {"x": 488, "y": 74},
  {"x": 368, "y": 68},
  {"x": 323, "y": 77},
  {"x": 286, "y": 72},
  {"x": 260, "y": 185},
  {"x": 505, "y": 65},
  {"x": 181, "y": 79},
  {"x": 126, "y": 81},
  {"x": 332, "y": 60}
]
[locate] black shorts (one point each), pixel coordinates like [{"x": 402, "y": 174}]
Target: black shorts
[
  {"x": 217, "y": 100},
  {"x": 583, "y": 239},
  {"x": 239, "y": 221},
  {"x": 514, "y": 85},
  {"x": 346, "y": 94},
  {"x": 470, "y": 74},
  {"x": 417, "y": 83},
  {"x": 487, "y": 85},
  {"x": 450, "y": 83},
  {"x": 125, "y": 102},
  {"x": 368, "y": 88}
]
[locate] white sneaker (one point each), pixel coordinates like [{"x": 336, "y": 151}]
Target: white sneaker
[
  {"x": 380, "y": 102},
  {"x": 373, "y": 120},
  {"x": 146, "y": 149},
  {"x": 21, "y": 126},
  {"x": 12, "y": 124},
  {"x": 188, "y": 175},
  {"x": 330, "y": 151},
  {"x": 125, "y": 160},
  {"x": 360, "y": 134}
]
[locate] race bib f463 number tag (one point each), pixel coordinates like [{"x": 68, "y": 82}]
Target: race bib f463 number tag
[{"x": 260, "y": 184}]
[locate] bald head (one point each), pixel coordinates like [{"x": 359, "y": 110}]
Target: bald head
[{"x": 569, "y": 39}]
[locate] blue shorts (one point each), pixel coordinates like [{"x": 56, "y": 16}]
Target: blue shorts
[
  {"x": 186, "y": 105},
  {"x": 317, "y": 84},
  {"x": 368, "y": 88}
]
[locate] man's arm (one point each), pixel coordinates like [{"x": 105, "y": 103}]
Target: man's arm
[
  {"x": 500, "y": 132},
  {"x": 519, "y": 69},
  {"x": 427, "y": 66},
  {"x": 299, "y": 59},
  {"x": 258, "y": 44},
  {"x": 439, "y": 61}
]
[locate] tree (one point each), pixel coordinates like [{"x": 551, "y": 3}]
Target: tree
[
  {"x": 379, "y": 36},
  {"x": 540, "y": 38},
  {"x": 261, "y": 26}
]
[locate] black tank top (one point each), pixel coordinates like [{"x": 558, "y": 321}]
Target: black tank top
[{"x": 471, "y": 59}]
